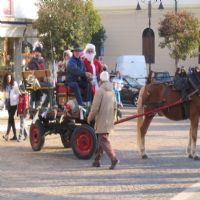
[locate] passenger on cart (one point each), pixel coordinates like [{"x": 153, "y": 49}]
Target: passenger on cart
[
  {"x": 40, "y": 97},
  {"x": 92, "y": 65},
  {"x": 77, "y": 77},
  {"x": 62, "y": 66}
]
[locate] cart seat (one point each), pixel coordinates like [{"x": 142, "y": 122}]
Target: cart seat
[
  {"x": 40, "y": 75},
  {"x": 63, "y": 89}
]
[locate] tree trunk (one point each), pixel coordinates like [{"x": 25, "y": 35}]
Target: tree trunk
[{"x": 176, "y": 62}]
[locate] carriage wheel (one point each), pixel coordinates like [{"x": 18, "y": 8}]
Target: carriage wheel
[
  {"x": 37, "y": 137},
  {"x": 84, "y": 141},
  {"x": 65, "y": 141}
]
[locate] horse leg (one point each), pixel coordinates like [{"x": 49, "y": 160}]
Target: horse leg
[
  {"x": 143, "y": 129},
  {"x": 194, "y": 128},
  {"x": 189, "y": 153}
]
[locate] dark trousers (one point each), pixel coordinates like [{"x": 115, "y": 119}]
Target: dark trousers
[
  {"x": 87, "y": 91},
  {"x": 103, "y": 144},
  {"x": 35, "y": 97},
  {"x": 11, "y": 120}
]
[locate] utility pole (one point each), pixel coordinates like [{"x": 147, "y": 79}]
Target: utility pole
[
  {"x": 175, "y": 6},
  {"x": 176, "y": 59}
]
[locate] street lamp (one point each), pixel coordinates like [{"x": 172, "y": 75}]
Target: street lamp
[
  {"x": 149, "y": 2},
  {"x": 175, "y": 6}
]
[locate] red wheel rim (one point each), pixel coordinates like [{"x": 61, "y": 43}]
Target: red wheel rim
[
  {"x": 35, "y": 132},
  {"x": 84, "y": 143}
]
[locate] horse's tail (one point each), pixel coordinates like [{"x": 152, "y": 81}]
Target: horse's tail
[{"x": 139, "y": 119}]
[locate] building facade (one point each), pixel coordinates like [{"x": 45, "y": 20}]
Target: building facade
[
  {"x": 16, "y": 17},
  {"x": 125, "y": 26},
  {"x": 123, "y": 23}
]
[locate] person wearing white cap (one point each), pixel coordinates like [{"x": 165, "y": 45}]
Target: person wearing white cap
[
  {"x": 66, "y": 56},
  {"x": 102, "y": 110},
  {"x": 92, "y": 65}
]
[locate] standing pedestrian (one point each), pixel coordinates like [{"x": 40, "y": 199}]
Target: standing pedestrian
[
  {"x": 11, "y": 96},
  {"x": 118, "y": 84},
  {"x": 181, "y": 82},
  {"x": 22, "y": 112},
  {"x": 103, "y": 108}
]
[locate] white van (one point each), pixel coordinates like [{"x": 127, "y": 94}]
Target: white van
[{"x": 133, "y": 66}]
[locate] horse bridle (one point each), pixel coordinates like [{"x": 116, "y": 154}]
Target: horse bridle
[{"x": 159, "y": 103}]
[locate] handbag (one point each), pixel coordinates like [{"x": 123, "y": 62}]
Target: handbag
[{"x": 7, "y": 104}]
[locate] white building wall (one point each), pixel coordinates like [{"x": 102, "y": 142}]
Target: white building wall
[{"x": 26, "y": 9}]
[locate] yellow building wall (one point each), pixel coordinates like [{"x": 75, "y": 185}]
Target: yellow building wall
[{"x": 124, "y": 30}]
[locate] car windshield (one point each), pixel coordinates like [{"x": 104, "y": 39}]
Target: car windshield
[
  {"x": 131, "y": 81},
  {"x": 162, "y": 76}
]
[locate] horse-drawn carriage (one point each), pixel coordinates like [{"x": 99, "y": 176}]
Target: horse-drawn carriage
[{"x": 65, "y": 118}]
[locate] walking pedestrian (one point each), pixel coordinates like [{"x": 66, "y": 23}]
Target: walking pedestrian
[
  {"x": 11, "y": 96},
  {"x": 22, "y": 112},
  {"x": 103, "y": 108}
]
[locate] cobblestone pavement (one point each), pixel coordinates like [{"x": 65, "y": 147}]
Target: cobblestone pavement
[{"x": 55, "y": 173}]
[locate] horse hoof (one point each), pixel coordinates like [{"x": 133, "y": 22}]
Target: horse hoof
[
  {"x": 144, "y": 156},
  {"x": 190, "y": 156},
  {"x": 196, "y": 158}
]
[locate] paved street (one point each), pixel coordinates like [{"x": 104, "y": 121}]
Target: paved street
[{"x": 56, "y": 174}]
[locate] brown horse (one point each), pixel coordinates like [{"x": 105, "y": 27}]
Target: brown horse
[{"x": 155, "y": 95}]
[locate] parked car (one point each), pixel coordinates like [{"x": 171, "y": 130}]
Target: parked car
[
  {"x": 130, "y": 90},
  {"x": 163, "y": 77}
]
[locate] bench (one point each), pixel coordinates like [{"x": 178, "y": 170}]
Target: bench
[
  {"x": 40, "y": 75},
  {"x": 65, "y": 93}
]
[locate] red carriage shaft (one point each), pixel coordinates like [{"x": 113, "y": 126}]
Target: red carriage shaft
[{"x": 149, "y": 112}]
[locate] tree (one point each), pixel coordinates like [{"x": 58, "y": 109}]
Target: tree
[
  {"x": 98, "y": 40},
  {"x": 62, "y": 22},
  {"x": 181, "y": 33}
]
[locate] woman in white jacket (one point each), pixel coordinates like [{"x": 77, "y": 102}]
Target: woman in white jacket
[{"x": 11, "y": 96}]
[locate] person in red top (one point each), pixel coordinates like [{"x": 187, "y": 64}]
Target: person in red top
[
  {"x": 22, "y": 108},
  {"x": 92, "y": 65}
]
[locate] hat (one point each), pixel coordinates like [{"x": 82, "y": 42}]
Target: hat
[
  {"x": 104, "y": 76},
  {"x": 68, "y": 52},
  {"x": 38, "y": 49},
  {"x": 76, "y": 47},
  {"x": 90, "y": 46}
]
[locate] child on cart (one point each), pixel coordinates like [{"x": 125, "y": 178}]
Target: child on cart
[{"x": 22, "y": 109}]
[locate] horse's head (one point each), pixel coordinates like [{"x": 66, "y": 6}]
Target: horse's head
[{"x": 153, "y": 95}]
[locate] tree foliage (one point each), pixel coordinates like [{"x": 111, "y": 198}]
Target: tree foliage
[
  {"x": 181, "y": 33},
  {"x": 62, "y": 22},
  {"x": 98, "y": 39}
]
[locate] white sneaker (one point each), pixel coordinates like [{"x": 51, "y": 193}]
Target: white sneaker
[{"x": 19, "y": 139}]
